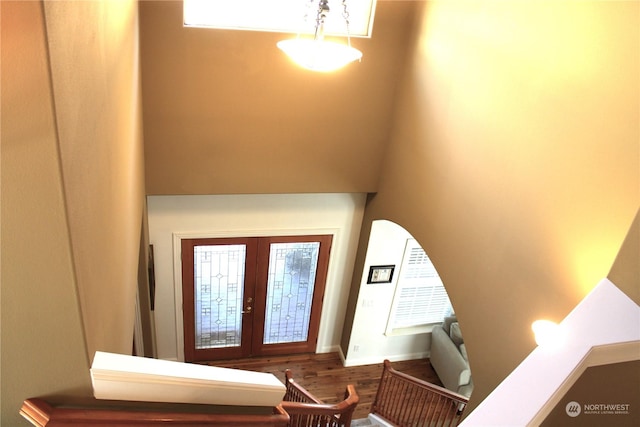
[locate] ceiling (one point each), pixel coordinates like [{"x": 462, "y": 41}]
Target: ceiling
[{"x": 226, "y": 112}]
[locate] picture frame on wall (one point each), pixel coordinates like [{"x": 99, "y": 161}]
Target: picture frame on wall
[{"x": 380, "y": 274}]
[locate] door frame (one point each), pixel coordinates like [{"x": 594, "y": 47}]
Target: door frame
[
  {"x": 247, "y": 291},
  {"x": 177, "y": 268}
]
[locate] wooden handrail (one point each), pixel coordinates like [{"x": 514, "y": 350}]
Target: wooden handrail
[
  {"x": 40, "y": 413},
  {"x": 440, "y": 390},
  {"x": 297, "y": 393},
  {"x": 307, "y": 410},
  {"x": 406, "y": 401},
  {"x": 299, "y": 409}
]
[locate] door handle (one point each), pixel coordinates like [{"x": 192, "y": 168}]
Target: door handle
[{"x": 248, "y": 309}]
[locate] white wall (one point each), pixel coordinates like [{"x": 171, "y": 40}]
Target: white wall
[
  {"x": 252, "y": 215},
  {"x": 368, "y": 343}
]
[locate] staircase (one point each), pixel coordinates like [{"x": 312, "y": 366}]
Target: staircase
[
  {"x": 401, "y": 401},
  {"x": 364, "y": 422},
  {"x": 305, "y": 410}
]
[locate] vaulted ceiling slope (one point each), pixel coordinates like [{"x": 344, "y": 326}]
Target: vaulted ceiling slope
[{"x": 226, "y": 112}]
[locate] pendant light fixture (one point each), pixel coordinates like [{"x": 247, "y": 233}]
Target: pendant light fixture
[{"x": 318, "y": 54}]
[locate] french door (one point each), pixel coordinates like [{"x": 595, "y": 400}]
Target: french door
[{"x": 252, "y": 295}]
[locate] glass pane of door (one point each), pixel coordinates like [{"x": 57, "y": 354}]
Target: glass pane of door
[
  {"x": 290, "y": 286},
  {"x": 218, "y": 288}
]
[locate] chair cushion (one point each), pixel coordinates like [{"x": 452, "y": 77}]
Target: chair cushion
[
  {"x": 463, "y": 352},
  {"x": 446, "y": 324},
  {"x": 456, "y": 334}
]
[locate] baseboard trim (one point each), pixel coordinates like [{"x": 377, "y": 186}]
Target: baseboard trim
[
  {"x": 343, "y": 358},
  {"x": 347, "y": 362},
  {"x": 328, "y": 349}
]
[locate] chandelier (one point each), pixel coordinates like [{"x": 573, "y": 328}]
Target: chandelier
[{"x": 318, "y": 54}]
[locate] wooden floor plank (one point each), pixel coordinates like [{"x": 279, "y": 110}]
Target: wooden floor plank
[{"x": 326, "y": 378}]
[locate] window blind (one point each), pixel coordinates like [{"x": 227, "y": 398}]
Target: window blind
[{"x": 420, "y": 297}]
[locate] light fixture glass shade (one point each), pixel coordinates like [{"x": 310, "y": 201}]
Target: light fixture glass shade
[
  {"x": 548, "y": 334},
  {"x": 319, "y": 55}
]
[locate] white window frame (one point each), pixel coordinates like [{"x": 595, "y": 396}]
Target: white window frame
[
  {"x": 282, "y": 16},
  {"x": 420, "y": 300}
]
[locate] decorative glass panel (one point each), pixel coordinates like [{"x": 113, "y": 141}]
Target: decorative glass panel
[
  {"x": 218, "y": 282},
  {"x": 292, "y": 275}
]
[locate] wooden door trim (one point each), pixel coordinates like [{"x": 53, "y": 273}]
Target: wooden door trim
[
  {"x": 188, "y": 302},
  {"x": 177, "y": 237},
  {"x": 318, "y": 295}
]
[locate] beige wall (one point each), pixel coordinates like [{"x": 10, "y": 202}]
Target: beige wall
[
  {"x": 72, "y": 193},
  {"x": 615, "y": 384},
  {"x": 514, "y": 161},
  {"x": 96, "y": 92},
  {"x": 226, "y": 112},
  {"x": 625, "y": 271},
  {"x": 43, "y": 347}
]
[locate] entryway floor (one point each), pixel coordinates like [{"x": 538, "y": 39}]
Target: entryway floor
[{"x": 325, "y": 377}]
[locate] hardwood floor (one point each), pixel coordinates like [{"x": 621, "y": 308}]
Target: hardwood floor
[{"x": 325, "y": 377}]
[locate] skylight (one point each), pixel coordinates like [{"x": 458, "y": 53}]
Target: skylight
[{"x": 285, "y": 16}]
